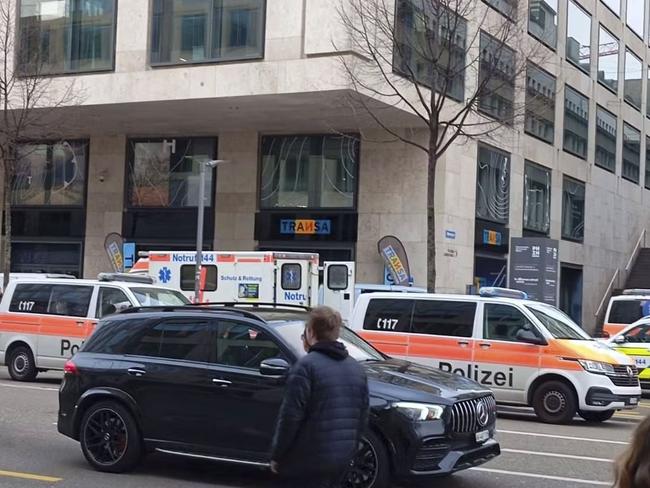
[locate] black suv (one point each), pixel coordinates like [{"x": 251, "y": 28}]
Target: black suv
[{"x": 208, "y": 382}]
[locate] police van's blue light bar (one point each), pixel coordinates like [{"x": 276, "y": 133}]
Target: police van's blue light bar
[{"x": 494, "y": 292}]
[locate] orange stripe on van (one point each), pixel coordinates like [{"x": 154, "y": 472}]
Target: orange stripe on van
[
  {"x": 161, "y": 258},
  {"x": 225, "y": 258},
  {"x": 249, "y": 260},
  {"x": 46, "y": 325}
]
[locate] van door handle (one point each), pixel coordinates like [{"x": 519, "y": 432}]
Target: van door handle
[
  {"x": 136, "y": 372},
  {"x": 81, "y": 323},
  {"x": 221, "y": 383},
  {"x": 463, "y": 343},
  {"x": 485, "y": 345}
]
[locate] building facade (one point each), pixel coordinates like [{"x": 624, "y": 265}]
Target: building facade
[{"x": 165, "y": 85}]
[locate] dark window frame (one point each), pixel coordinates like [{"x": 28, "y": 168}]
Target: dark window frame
[
  {"x": 509, "y": 177},
  {"x": 568, "y": 87},
  {"x": 638, "y": 165},
  {"x": 172, "y": 64},
  {"x": 626, "y": 98},
  {"x": 208, "y": 267},
  {"x": 603, "y": 82},
  {"x": 329, "y": 278},
  {"x": 469, "y": 333},
  {"x": 581, "y": 69},
  {"x": 282, "y": 282},
  {"x": 485, "y": 92},
  {"x": 647, "y": 163},
  {"x": 531, "y": 164},
  {"x": 596, "y": 162},
  {"x": 54, "y": 74},
  {"x": 538, "y": 38},
  {"x": 564, "y": 236},
  {"x": 406, "y": 314},
  {"x": 545, "y": 73}
]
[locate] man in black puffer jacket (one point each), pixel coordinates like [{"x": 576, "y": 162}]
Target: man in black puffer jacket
[{"x": 325, "y": 408}]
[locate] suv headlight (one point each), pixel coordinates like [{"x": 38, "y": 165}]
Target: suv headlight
[
  {"x": 596, "y": 367},
  {"x": 419, "y": 412}
]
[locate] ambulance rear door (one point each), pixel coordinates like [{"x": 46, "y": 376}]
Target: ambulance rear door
[
  {"x": 244, "y": 277},
  {"x": 338, "y": 287},
  {"x": 292, "y": 282}
]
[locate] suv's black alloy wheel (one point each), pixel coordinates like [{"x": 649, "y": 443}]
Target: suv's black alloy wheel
[
  {"x": 109, "y": 438},
  {"x": 369, "y": 467}
]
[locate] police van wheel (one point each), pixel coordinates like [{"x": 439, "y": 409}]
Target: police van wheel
[
  {"x": 555, "y": 402},
  {"x": 22, "y": 366},
  {"x": 597, "y": 416}
]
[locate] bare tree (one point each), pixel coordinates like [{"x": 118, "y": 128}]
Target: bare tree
[
  {"x": 455, "y": 65},
  {"x": 29, "y": 101}
]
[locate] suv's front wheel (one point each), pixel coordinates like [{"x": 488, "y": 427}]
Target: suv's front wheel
[
  {"x": 369, "y": 467},
  {"x": 109, "y": 438}
]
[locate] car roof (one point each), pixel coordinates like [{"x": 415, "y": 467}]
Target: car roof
[
  {"x": 454, "y": 297},
  {"x": 75, "y": 281},
  {"x": 618, "y": 298}
]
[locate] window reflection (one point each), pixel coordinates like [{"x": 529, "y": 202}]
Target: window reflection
[
  {"x": 493, "y": 185},
  {"x": 63, "y": 36},
  {"x": 573, "y": 209},
  {"x": 631, "y": 153},
  {"x": 576, "y": 122},
  {"x": 496, "y": 79},
  {"x": 540, "y": 104},
  {"x": 50, "y": 174},
  {"x": 578, "y": 47},
  {"x": 542, "y": 21},
  {"x": 537, "y": 198},
  {"x": 206, "y": 30},
  {"x": 633, "y": 79},
  {"x": 608, "y": 50},
  {"x": 309, "y": 171},
  {"x": 647, "y": 162},
  {"x": 606, "y": 128},
  {"x": 166, "y": 172},
  {"x": 636, "y": 16}
]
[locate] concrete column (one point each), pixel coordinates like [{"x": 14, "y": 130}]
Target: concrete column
[
  {"x": 105, "y": 202},
  {"x": 236, "y": 200}
]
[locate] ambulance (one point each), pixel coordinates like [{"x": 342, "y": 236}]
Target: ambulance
[
  {"x": 282, "y": 278},
  {"x": 625, "y": 309},
  {"x": 529, "y": 353}
]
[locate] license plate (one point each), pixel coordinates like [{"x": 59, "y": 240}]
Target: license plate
[
  {"x": 634, "y": 401},
  {"x": 641, "y": 362},
  {"x": 482, "y": 436}
]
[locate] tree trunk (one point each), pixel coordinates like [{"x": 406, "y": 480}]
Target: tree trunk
[
  {"x": 431, "y": 220},
  {"x": 6, "y": 238}
]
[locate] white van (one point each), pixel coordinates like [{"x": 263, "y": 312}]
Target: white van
[
  {"x": 43, "y": 322},
  {"x": 528, "y": 353},
  {"x": 625, "y": 309}
]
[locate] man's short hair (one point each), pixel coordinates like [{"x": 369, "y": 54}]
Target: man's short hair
[{"x": 325, "y": 323}]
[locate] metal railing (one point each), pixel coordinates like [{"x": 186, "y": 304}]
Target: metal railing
[{"x": 619, "y": 277}]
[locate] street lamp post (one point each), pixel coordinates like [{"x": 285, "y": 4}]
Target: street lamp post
[{"x": 203, "y": 166}]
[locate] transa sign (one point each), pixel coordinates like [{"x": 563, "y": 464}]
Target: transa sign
[{"x": 305, "y": 227}]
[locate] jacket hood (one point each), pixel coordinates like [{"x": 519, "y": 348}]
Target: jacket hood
[{"x": 335, "y": 350}]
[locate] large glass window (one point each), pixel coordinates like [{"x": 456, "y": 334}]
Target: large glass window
[
  {"x": 309, "y": 171},
  {"x": 573, "y": 210},
  {"x": 537, "y": 198},
  {"x": 506, "y": 323},
  {"x": 194, "y": 31},
  {"x": 542, "y": 21},
  {"x": 631, "y": 153},
  {"x": 633, "y": 79},
  {"x": 636, "y": 16},
  {"x": 540, "y": 104},
  {"x": 389, "y": 314},
  {"x": 608, "y": 50},
  {"x": 65, "y": 36},
  {"x": 496, "y": 79},
  {"x": 576, "y": 122},
  {"x": 243, "y": 346},
  {"x": 506, "y": 7},
  {"x": 493, "y": 185},
  {"x": 614, "y": 5},
  {"x": 647, "y": 162},
  {"x": 606, "y": 128},
  {"x": 166, "y": 172},
  {"x": 425, "y": 35},
  {"x": 578, "y": 44},
  {"x": 50, "y": 174},
  {"x": 443, "y": 318}
]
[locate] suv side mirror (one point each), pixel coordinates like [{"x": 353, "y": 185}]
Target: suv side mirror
[
  {"x": 620, "y": 339},
  {"x": 529, "y": 337},
  {"x": 274, "y": 367}
]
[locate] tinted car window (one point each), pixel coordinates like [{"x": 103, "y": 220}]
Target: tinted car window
[
  {"x": 113, "y": 336},
  {"x": 447, "y": 318},
  {"x": 32, "y": 298},
  {"x": 640, "y": 334},
  {"x": 337, "y": 277},
  {"x": 626, "y": 311},
  {"x": 188, "y": 274},
  {"x": 503, "y": 323},
  {"x": 186, "y": 339},
  {"x": 239, "y": 344},
  {"x": 388, "y": 314},
  {"x": 71, "y": 300}
]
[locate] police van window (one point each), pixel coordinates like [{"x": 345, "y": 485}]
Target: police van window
[
  {"x": 291, "y": 276},
  {"x": 188, "y": 272},
  {"x": 173, "y": 339},
  {"x": 639, "y": 334},
  {"x": 30, "y": 298},
  {"x": 504, "y": 323},
  {"x": 243, "y": 346},
  {"x": 447, "y": 318},
  {"x": 626, "y": 311},
  {"x": 388, "y": 314},
  {"x": 110, "y": 301},
  {"x": 70, "y": 300},
  {"x": 337, "y": 277}
]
